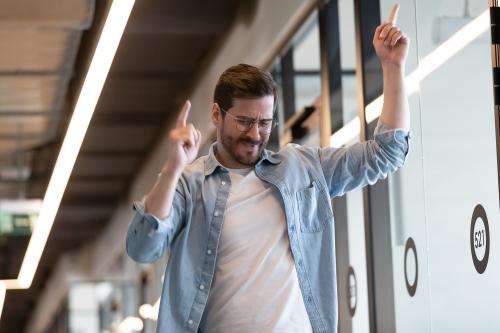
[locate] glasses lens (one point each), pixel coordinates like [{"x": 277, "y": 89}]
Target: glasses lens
[
  {"x": 265, "y": 126},
  {"x": 244, "y": 125}
]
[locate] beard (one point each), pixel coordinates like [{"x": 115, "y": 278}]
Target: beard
[{"x": 231, "y": 144}]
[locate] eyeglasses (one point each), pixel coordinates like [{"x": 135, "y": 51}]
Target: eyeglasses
[{"x": 245, "y": 124}]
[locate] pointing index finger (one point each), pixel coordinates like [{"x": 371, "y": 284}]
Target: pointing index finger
[
  {"x": 393, "y": 16},
  {"x": 182, "y": 119}
]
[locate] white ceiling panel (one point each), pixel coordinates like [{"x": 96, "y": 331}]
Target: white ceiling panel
[
  {"x": 20, "y": 125},
  {"x": 46, "y": 13},
  {"x": 36, "y": 49},
  {"x": 28, "y": 92}
]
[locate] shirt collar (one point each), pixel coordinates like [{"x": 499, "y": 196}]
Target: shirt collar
[{"x": 211, "y": 163}]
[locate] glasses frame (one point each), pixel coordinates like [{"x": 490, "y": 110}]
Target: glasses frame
[{"x": 274, "y": 122}]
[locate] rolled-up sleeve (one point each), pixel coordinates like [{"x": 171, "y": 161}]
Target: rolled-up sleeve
[
  {"x": 364, "y": 163},
  {"x": 148, "y": 237}
]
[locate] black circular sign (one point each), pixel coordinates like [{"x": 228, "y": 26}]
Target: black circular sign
[
  {"x": 480, "y": 239},
  {"x": 352, "y": 291},
  {"x": 410, "y": 245}
]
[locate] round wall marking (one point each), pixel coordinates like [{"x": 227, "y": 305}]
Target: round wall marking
[
  {"x": 480, "y": 239},
  {"x": 352, "y": 291},
  {"x": 411, "y": 286}
]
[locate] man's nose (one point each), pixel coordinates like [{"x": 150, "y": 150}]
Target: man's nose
[{"x": 254, "y": 132}]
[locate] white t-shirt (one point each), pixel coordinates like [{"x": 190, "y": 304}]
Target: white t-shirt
[{"x": 255, "y": 287}]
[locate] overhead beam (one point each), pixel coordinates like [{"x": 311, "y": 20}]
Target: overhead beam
[{"x": 181, "y": 17}]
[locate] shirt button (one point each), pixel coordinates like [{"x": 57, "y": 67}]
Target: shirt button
[
  {"x": 292, "y": 227},
  {"x": 202, "y": 287},
  {"x": 190, "y": 322},
  {"x": 209, "y": 251},
  {"x": 300, "y": 263},
  {"x": 216, "y": 213},
  {"x": 223, "y": 183}
]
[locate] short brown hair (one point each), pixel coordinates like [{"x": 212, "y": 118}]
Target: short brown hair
[{"x": 244, "y": 81}]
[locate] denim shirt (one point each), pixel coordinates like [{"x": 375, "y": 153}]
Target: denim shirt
[{"x": 306, "y": 179}]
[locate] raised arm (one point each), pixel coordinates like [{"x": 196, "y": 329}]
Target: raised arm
[
  {"x": 184, "y": 145},
  {"x": 391, "y": 46},
  {"x": 364, "y": 163},
  {"x": 154, "y": 224}
]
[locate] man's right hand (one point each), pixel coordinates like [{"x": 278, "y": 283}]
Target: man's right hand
[{"x": 185, "y": 142}]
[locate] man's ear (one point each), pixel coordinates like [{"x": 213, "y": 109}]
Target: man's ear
[{"x": 216, "y": 115}]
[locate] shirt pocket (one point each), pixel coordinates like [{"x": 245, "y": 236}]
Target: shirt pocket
[{"x": 314, "y": 208}]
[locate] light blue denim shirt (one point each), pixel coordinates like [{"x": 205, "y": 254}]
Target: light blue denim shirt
[{"x": 306, "y": 178}]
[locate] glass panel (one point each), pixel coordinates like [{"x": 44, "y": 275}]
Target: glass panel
[
  {"x": 357, "y": 277},
  {"x": 459, "y": 138},
  {"x": 85, "y": 306},
  {"x": 306, "y": 63},
  {"x": 407, "y": 205},
  {"x": 350, "y": 104},
  {"x": 448, "y": 191},
  {"x": 357, "y": 259},
  {"x": 299, "y": 87}
]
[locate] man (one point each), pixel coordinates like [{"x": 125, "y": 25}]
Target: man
[{"x": 250, "y": 231}]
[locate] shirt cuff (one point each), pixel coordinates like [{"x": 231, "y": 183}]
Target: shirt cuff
[
  {"x": 388, "y": 135},
  {"x": 153, "y": 221},
  {"x": 382, "y": 128}
]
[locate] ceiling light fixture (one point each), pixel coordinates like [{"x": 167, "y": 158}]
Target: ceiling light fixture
[
  {"x": 130, "y": 324},
  {"x": 96, "y": 76},
  {"x": 148, "y": 311},
  {"x": 2, "y": 296},
  {"x": 426, "y": 66}
]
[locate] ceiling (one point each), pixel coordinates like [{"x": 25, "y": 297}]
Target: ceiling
[{"x": 45, "y": 51}]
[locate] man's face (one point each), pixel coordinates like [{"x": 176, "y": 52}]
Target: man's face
[{"x": 242, "y": 149}]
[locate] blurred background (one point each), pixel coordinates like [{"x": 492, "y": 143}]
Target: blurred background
[{"x": 83, "y": 133}]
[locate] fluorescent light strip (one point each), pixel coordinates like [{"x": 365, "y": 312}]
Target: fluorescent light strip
[
  {"x": 11, "y": 283},
  {"x": 96, "y": 76},
  {"x": 2, "y": 297},
  {"x": 426, "y": 66}
]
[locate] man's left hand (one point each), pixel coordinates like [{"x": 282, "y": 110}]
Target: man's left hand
[{"x": 391, "y": 44}]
